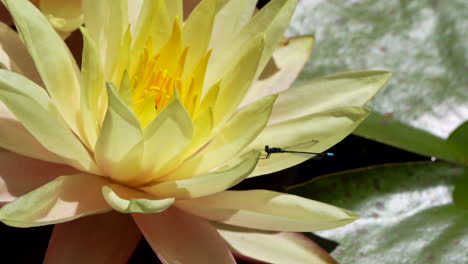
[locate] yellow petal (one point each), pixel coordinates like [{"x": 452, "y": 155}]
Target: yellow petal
[
  {"x": 33, "y": 107},
  {"x": 273, "y": 247},
  {"x": 271, "y": 21},
  {"x": 174, "y": 9},
  {"x": 115, "y": 30},
  {"x": 154, "y": 20},
  {"x": 49, "y": 53},
  {"x": 202, "y": 17},
  {"x": 267, "y": 210},
  {"x": 210, "y": 183},
  {"x": 202, "y": 129},
  {"x": 92, "y": 88},
  {"x": 242, "y": 129},
  {"x": 290, "y": 60},
  {"x": 119, "y": 147},
  {"x": 313, "y": 133},
  {"x": 322, "y": 94},
  {"x": 64, "y": 16},
  {"x": 64, "y": 199},
  {"x": 166, "y": 137},
  {"x": 238, "y": 80},
  {"x": 126, "y": 200},
  {"x": 229, "y": 20}
]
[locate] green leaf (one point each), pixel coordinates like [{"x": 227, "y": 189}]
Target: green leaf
[
  {"x": 407, "y": 214},
  {"x": 460, "y": 193},
  {"x": 387, "y": 130},
  {"x": 422, "y": 42},
  {"x": 458, "y": 142}
]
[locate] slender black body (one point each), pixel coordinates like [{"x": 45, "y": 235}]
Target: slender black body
[{"x": 272, "y": 150}]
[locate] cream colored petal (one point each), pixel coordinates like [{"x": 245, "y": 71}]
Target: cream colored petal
[
  {"x": 154, "y": 20},
  {"x": 64, "y": 16},
  {"x": 273, "y": 247},
  {"x": 272, "y": 20},
  {"x": 178, "y": 237},
  {"x": 290, "y": 59},
  {"x": 238, "y": 80},
  {"x": 134, "y": 9},
  {"x": 92, "y": 88},
  {"x": 202, "y": 17},
  {"x": 108, "y": 238},
  {"x": 20, "y": 175},
  {"x": 114, "y": 31},
  {"x": 229, "y": 20},
  {"x": 119, "y": 148},
  {"x": 96, "y": 14},
  {"x": 242, "y": 129},
  {"x": 202, "y": 129},
  {"x": 33, "y": 107},
  {"x": 50, "y": 53},
  {"x": 313, "y": 133},
  {"x": 323, "y": 94},
  {"x": 63, "y": 199},
  {"x": 123, "y": 58},
  {"x": 210, "y": 183},
  {"x": 126, "y": 200},
  {"x": 16, "y": 138},
  {"x": 166, "y": 137},
  {"x": 15, "y": 55},
  {"x": 267, "y": 210}
]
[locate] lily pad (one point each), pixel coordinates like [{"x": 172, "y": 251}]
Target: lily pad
[
  {"x": 423, "y": 42},
  {"x": 407, "y": 213}
]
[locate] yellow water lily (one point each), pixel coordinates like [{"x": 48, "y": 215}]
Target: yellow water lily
[{"x": 164, "y": 116}]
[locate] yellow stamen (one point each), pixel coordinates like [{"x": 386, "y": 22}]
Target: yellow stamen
[{"x": 157, "y": 74}]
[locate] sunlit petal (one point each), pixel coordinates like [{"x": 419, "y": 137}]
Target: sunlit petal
[{"x": 266, "y": 210}]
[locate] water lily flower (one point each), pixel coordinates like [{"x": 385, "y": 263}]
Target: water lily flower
[{"x": 163, "y": 117}]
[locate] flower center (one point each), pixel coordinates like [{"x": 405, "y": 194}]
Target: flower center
[{"x": 158, "y": 76}]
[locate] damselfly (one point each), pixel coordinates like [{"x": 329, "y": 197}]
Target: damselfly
[{"x": 271, "y": 150}]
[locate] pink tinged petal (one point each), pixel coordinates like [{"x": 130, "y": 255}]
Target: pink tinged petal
[
  {"x": 290, "y": 59},
  {"x": 20, "y": 175},
  {"x": 64, "y": 199},
  {"x": 273, "y": 247},
  {"x": 178, "y": 237},
  {"x": 18, "y": 58},
  {"x": 16, "y": 138},
  {"x": 267, "y": 210},
  {"x": 106, "y": 238}
]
